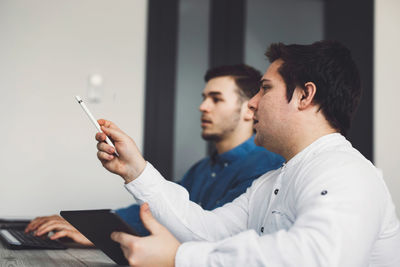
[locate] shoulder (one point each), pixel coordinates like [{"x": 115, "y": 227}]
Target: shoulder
[
  {"x": 343, "y": 164},
  {"x": 343, "y": 173},
  {"x": 199, "y": 165},
  {"x": 259, "y": 161},
  {"x": 265, "y": 155},
  {"x": 344, "y": 182},
  {"x": 198, "y": 168}
]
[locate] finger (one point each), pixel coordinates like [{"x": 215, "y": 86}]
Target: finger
[
  {"x": 108, "y": 124},
  {"x": 101, "y": 122},
  {"x": 31, "y": 226},
  {"x": 128, "y": 253},
  {"x": 126, "y": 241},
  {"x": 66, "y": 233},
  {"x": 114, "y": 134},
  {"x": 123, "y": 238},
  {"x": 51, "y": 220},
  {"x": 148, "y": 220},
  {"x": 104, "y": 162},
  {"x": 117, "y": 237},
  {"x": 53, "y": 225},
  {"x": 100, "y": 136},
  {"x": 101, "y": 146},
  {"x": 45, "y": 228},
  {"x": 104, "y": 157},
  {"x": 35, "y": 223},
  {"x": 74, "y": 235},
  {"x": 59, "y": 234}
]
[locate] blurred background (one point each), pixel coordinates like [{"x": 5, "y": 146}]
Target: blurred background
[{"x": 141, "y": 64}]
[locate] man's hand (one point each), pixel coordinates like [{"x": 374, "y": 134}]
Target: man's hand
[
  {"x": 157, "y": 249},
  {"x": 44, "y": 225},
  {"x": 130, "y": 163}
]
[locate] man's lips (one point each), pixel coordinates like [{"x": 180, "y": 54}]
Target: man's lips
[
  {"x": 255, "y": 121},
  {"x": 205, "y": 122},
  {"x": 205, "y": 119}
]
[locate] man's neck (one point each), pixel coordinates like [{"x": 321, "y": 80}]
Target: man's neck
[
  {"x": 231, "y": 142},
  {"x": 303, "y": 140}
]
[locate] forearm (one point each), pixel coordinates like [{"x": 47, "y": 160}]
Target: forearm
[
  {"x": 244, "y": 249},
  {"x": 298, "y": 247},
  {"x": 171, "y": 206}
]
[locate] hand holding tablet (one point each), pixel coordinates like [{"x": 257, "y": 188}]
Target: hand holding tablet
[{"x": 97, "y": 226}]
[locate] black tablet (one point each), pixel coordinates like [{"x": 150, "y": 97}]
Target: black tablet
[{"x": 97, "y": 226}]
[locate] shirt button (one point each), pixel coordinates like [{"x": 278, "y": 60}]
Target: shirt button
[
  {"x": 262, "y": 229},
  {"x": 225, "y": 164},
  {"x": 276, "y": 191},
  {"x": 213, "y": 174}
]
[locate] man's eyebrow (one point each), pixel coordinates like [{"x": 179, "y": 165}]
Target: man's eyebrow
[
  {"x": 212, "y": 93},
  {"x": 264, "y": 80}
]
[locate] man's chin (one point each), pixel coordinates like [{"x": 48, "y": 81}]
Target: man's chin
[{"x": 211, "y": 137}]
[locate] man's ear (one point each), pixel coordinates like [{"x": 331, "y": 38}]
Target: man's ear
[
  {"x": 248, "y": 113},
  {"x": 307, "y": 95}
]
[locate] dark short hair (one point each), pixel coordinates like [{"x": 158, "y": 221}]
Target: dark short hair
[
  {"x": 246, "y": 78},
  {"x": 329, "y": 65}
]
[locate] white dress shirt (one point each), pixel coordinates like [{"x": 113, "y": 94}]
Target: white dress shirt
[{"x": 327, "y": 206}]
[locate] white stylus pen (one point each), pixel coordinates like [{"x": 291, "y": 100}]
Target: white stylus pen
[{"x": 96, "y": 124}]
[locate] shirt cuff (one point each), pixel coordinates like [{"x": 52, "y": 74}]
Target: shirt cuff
[
  {"x": 148, "y": 184},
  {"x": 193, "y": 254}
]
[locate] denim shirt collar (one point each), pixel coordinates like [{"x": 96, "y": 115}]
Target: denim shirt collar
[{"x": 236, "y": 153}]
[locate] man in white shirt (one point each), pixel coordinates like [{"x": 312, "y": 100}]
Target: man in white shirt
[{"x": 327, "y": 206}]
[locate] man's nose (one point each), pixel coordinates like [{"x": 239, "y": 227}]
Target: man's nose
[
  {"x": 253, "y": 102},
  {"x": 204, "y": 106}
]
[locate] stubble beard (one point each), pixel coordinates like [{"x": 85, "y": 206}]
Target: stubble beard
[
  {"x": 211, "y": 137},
  {"x": 217, "y": 137},
  {"x": 266, "y": 142},
  {"x": 225, "y": 131}
]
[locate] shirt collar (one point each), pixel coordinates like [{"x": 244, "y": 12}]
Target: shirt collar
[
  {"x": 235, "y": 153},
  {"x": 322, "y": 142}
]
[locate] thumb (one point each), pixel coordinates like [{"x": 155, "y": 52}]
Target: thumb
[{"x": 148, "y": 220}]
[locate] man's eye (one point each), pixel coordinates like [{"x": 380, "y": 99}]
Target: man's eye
[
  {"x": 216, "y": 100},
  {"x": 265, "y": 88}
]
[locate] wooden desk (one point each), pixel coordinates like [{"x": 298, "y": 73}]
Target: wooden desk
[{"x": 45, "y": 258}]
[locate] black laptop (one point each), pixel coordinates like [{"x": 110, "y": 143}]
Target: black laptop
[{"x": 13, "y": 236}]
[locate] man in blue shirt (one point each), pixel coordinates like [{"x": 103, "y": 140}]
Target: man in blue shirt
[{"x": 217, "y": 179}]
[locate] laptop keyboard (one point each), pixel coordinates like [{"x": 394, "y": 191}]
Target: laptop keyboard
[{"x": 18, "y": 239}]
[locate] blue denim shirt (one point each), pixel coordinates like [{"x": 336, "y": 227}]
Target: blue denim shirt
[{"x": 219, "y": 179}]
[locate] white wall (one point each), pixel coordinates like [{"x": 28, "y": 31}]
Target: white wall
[
  {"x": 48, "y": 49},
  {"x": 387, "y": 94}
]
